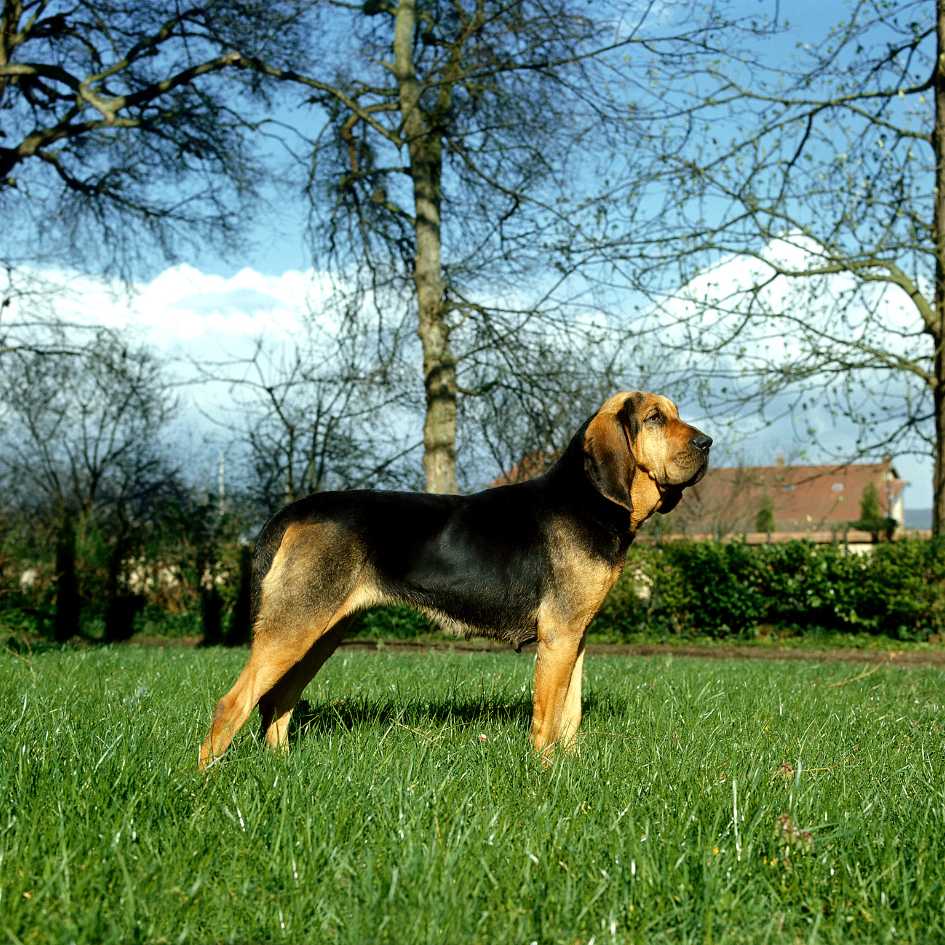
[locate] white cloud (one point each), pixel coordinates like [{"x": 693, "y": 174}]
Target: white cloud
[
  {"x": 184, "y": 311},
  {"x": 881, "y": 316},
  {"x": 873, "y": 312}
]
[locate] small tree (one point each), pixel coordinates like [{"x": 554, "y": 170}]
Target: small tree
[
  {"x": 869, "y": 504},
  {"x": 68, "y": 603},
  {"x": 764, "y": 520},
  {"x": 871, "y": 517},
  {"x": 239, "y": 629}
]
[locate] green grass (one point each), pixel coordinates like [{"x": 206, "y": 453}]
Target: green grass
[{"x": 411, "y": 810}]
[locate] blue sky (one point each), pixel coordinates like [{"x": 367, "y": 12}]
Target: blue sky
[
  {"x": 212, "y": 306},
  {"x": 276, "y": 241}
]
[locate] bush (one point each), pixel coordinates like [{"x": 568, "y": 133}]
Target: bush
[
  {"x": 735, "y": 590},
  {"x": 677, "y": 589},
  {"x": 392, "y": 623}
]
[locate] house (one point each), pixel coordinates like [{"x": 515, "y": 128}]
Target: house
[
  {"x": 785, "y": 501},
  {"x": 528, "y": 467},
  {"x": 816, "y": 503}
]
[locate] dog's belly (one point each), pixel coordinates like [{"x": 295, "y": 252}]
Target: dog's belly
[
  {"x": 508, "y": 618},
  {"x": 516, "y": 635},
  {"x": 476, "y": 574},
  {"x": 473, "y": 611}
]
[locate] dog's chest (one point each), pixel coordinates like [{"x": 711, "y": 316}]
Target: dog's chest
[{"x": 580, "y": 577}]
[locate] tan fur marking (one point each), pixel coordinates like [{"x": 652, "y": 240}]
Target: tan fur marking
[
  {"x": 274, "y": 576},
  {"x": 580, "y": 582}
]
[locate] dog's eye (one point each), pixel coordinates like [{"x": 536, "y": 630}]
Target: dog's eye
[{"x": 654, "y": 417}]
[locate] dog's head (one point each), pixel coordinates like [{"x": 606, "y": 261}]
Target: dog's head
[{"x": 639, "y": 454}]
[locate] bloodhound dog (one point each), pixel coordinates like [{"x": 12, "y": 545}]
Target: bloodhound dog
[{"x": 524, "y": 562}]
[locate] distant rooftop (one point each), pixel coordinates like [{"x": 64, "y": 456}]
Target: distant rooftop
[{"x": 801, "y": 498}]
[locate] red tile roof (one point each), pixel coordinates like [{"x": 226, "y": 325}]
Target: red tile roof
[
  {"x": 803, "y": 498},
  {"x": 528, "y": 467}
]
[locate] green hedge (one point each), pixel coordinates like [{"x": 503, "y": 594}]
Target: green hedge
[
  {"x": 684, "y": 589},
  {"x": 737, "y": 590}
]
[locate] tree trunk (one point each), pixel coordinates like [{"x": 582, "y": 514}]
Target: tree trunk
[
  {"x": 938, "y": 329},
  {"x": 211, "y": 603},
  {"x": 239, "y": 631},
  {"x": 117, "y": 616},
  {"x": 938, "y": 474},
  {"x": 121, "y": 606},
  {"x": 211, "y": 616},
  {"x": 426, "y": 167},
  {"x": 68, "y": 607}
]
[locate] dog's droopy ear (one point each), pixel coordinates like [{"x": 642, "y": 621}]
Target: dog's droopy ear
[{"x": 608, "y": 450}]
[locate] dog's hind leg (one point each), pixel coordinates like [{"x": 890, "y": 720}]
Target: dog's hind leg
[
  {"x": 313, "y": 582},
  {"x": 276, "y": 706},
  {"x": 278, "y": 666},
  {"x": 267, "y": 664}
]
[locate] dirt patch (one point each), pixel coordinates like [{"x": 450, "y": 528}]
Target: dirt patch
[
  {"x": 707, "y": 651},
  {"x": 922, "y": 657},
  {"x": 891, "y": 657}
]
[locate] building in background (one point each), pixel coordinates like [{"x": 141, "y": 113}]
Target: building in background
[
  {"x": 775, "y": 503},
  {"x": 781, "y": 502}
]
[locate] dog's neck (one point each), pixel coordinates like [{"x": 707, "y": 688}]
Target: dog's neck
[
  {"x": 569, "y": 480},
  {"x": 571, "y": 488}
]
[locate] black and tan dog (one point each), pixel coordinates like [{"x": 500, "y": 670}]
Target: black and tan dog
[{"x": 525, "y": 562}]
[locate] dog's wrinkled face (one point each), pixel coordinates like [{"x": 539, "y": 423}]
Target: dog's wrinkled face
[{"x": 640, "y": 454}]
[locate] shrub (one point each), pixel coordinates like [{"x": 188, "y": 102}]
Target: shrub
[
  {"x": 682, "y": 589},
  {"x": 391, "y": 623},
  {"x": 733, "y": 590}
]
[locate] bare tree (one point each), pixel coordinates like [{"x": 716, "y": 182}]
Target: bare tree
[
  {"x": 81, "y": 450},
  {"x": 327, "y": 412},
  {"x": 119, "y": 126},
  {"x": 454, "y": 150},
  {"x": 802, "y": 210}
]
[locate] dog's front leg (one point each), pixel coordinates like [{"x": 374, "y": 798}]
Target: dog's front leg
[
  {"x": 556, "y": 709},
  {"x": 571, "y": 715}
]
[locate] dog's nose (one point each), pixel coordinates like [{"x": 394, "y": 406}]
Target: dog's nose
[{"x": 702, "y": 442}]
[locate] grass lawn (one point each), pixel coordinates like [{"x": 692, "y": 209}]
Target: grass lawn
[{"x": 718, "y": 801}]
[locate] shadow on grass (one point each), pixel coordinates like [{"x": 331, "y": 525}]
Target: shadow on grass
[{"x": 351, "y": 713}]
